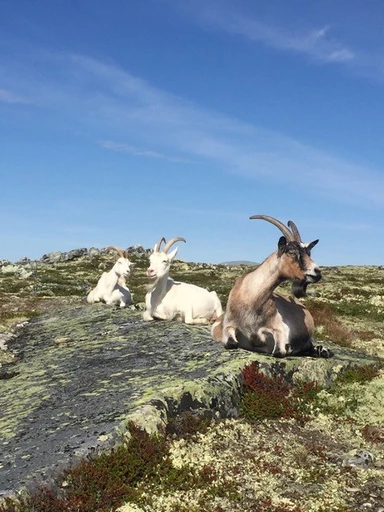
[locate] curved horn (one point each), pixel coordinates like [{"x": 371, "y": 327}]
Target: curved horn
[
  {"x": 283, "y": 228},
  {"x": 117, "y": 249},
  {"x": 172, "y": 241},
  {"x": 162, "y": 239},
  {"x": 295, "y": 231}
]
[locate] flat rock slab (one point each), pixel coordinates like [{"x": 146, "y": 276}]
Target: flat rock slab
[{"x": 84, "y": 371}]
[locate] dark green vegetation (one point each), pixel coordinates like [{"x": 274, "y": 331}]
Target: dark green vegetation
[
  {"x": 34, "y": 287},
  {"x": 272, "y": 398},
  {"x": 288, "y": 451},
  {"x": 348, "y": 304},
  {"x": 106, "y": 481},
  {"x": 144, "y": 467}
]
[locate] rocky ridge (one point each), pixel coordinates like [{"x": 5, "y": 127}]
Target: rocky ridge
[{"x": 74, "y": 374}]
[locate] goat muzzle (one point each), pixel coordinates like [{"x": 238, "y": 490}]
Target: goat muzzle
[{"x": 314, "y": 276}]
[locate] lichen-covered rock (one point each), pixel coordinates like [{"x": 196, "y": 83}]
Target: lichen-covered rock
[
  {"x": 18, "y": 270},
  {"x": 115, "y": 368}
]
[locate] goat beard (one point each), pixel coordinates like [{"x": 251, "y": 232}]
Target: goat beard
[{"x": 299, "y": 288}]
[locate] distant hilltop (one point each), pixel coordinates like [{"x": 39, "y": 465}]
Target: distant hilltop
[
  {"x": 61, "y": 257},
  {"x": 240, "y": 262}
]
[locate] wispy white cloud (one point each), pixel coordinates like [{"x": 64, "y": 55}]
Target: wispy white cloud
[
  {"x": 12, "y": 98},
  {"x": 146, "y": 153},
  {"x": 319, "y": 43},
  {"x": 120, "y": 106},
  {"x": 316, "y": 43}
]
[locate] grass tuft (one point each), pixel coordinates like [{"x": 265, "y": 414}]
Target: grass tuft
[
  {"x": 325, "y": 316},
  {"x": 359, "y": 374}
]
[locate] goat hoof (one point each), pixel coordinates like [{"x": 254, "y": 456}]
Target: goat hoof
[
  {"x": 231, "y": 344},
  {"x": 320, "y": 351}
]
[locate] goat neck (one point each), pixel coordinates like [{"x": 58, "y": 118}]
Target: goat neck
[
  {"x": 260, "y": 284},
  {"x": 158, "y": 286}
]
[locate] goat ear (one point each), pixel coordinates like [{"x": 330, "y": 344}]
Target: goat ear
[
  {"x": 282, "y": 243},
  {"x": 311, "y": 245},
  {"x": 172, "y": 254}
]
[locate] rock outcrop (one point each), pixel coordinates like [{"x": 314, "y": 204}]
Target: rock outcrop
[{"x": 65, "y": 398}]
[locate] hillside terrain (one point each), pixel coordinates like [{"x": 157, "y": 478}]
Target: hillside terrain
[
  {"x": 73, "y": 373},
  {"x": 347, "y": 304}
]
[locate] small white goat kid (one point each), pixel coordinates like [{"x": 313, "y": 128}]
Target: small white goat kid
[
  {"x": 167, "y": 299},
  {"x": 111, "y": 287}
]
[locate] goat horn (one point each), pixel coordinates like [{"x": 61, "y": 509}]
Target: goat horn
[
  {"x": 295, "y": 231},
  {"x": 283, "y": 228},
  {"x": 172, "y": 241},
  {"x": 162, "y": 239},
  {"x": 117, "y": 249}
]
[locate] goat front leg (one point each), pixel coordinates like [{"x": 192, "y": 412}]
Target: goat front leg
[
  {"x": 313, "y": 350},
  {"x": 197, "y": 321},
  {"x": 188, "y": 319},
  {"x": 147, "y": 317},
  {"x": 156, "y": 315},
  {"x": 229, "y": 339}
]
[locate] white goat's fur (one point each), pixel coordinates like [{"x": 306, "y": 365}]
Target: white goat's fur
[
  {"x": 167, "y": 299},
  {"x": 259, "y": 320},
  {"x": 111, "y": 288}
]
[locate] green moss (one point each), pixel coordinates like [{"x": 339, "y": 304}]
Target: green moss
[
  {"x": 200, "y": 466},
  {"x": 359, "y": 374},
  {"x": 356, "y": 309},
  {"x": 306, "y": 427}
]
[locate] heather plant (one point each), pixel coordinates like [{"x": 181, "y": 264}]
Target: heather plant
[
  {"x": 103, "y": 482},
  {"x": 281, "y": 455},
  {"x": 286, "y": 451},
  {"x": 328, "y": 324},
  {"x": 268, "y": 397}
]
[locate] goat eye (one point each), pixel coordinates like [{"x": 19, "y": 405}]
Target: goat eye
[{"x": 165, "y": 261}]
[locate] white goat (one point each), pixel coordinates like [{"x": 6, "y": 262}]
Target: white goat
[
  {"x": 256, "y": 319},
  {"x": 111, "y": 287},
  {"x": 167, "y": 299}
]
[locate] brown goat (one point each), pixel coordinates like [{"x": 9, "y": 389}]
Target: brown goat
[{"x": 259, "y": 320}]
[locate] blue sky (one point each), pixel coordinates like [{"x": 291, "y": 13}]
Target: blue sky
[{"x": 122, "y": 121}]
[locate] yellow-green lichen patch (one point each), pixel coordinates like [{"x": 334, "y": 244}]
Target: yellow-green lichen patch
[
  {"x": 286, "y": 465},
  {"x": 21, "y": 396},
  {"x": 281, "y": 464},
  {"x": 362, "y": 402},
  {"x": 270, "y": 465},
  {"x": 97, "y": 380}
]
